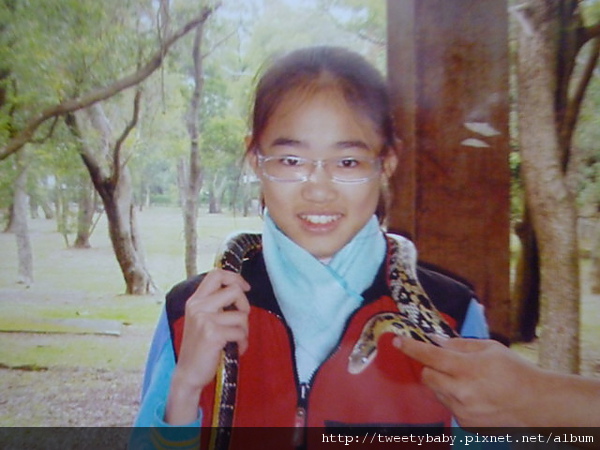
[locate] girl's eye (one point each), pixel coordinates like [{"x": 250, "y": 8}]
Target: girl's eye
[
  {"x": 348, "y": 163},
  {"x": 291, "y": 161}
]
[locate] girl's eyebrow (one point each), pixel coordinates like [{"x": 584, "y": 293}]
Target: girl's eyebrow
[
  {"x": 283, "y": 141},
  {"x": 352, "y": 144}
]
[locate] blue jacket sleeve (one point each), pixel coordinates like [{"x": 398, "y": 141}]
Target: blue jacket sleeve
[
  {"x": 475, "y": 324},
  {"x": 151, "y": 431},
  {"x": 160, "y": 341}
]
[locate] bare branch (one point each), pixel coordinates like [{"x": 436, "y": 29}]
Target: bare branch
[
  {"x": 27, "y": 133},
  {"x": 130, "y": 126},
  {"x": 192, "y": 124},
  {"x": 163, "y": 26},
  {"x": 49, "y": 133},
  {"x": 93, "y": 168},
  {"x": 589, "y": 33},
  {"x": 218, "y": 44},
  {"x": 163, "y": 19},
  {"x": 574, "y": 105},
  {"x": 370, "y": 39}
]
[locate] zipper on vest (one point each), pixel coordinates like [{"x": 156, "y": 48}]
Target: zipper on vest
[{"x": 300, "y": 418}]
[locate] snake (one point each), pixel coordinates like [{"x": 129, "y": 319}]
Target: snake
[
  {"x": 365, "y": 349},
  {"x": 416, "y": 317},
  {"x": 237, "y": 249}
]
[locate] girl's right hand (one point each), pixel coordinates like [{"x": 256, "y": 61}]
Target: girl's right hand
[{"x": 207, "y": 328}]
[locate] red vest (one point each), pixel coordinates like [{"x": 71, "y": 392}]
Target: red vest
[{"x": 387, "y": 394}]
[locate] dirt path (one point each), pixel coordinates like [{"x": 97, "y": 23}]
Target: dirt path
[
  {"x": 72, "y": 390},
  {"x": 69, "y": 397}
]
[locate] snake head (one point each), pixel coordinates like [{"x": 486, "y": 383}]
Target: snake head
[
  {"x": 365, "y": 349},
  {"x": 361, "y": 357}
]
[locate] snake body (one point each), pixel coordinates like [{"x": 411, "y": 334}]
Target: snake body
[
  {"x": 416, "y": 317},
  {"x": 237, "y": 249}
]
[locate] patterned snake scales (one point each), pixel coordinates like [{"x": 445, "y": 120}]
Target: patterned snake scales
[{"x": 416, "y": 317}]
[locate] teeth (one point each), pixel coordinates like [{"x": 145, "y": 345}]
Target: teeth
[{"x": 320, "y": 219}]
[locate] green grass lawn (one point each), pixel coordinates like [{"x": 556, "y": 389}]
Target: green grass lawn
[{"x": 87, "y": 284}]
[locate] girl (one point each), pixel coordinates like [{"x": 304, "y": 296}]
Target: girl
[{"x": 323, "y": 147}]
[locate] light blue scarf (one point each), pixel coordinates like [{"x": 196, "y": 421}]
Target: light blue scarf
[{"x": 316, "y": 298}]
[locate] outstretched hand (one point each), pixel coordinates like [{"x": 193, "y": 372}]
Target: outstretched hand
[{"x": 482, "y": 382}]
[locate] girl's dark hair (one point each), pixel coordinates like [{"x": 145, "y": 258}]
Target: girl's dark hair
[{"x": 361, "y": 84}]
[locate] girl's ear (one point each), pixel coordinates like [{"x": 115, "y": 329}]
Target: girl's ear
[
  {"x": 390, "y": 160},
  {"x": 251, "y": 155},
  {"x": 248, "y": 141}
]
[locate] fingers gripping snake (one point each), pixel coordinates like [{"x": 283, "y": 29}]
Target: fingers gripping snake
[{"x": 416, "y": 317}]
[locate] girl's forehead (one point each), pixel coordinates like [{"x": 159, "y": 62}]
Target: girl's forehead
[
  {"x": 322, "y": 116},
  {"x": 309, "y": 92},
  {"x": 312, "y": 98}
]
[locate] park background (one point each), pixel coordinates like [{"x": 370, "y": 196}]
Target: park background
[{"x": 73, "y": 332}]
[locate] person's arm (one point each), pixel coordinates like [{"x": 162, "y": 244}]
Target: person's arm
[
  {"x": 150, "y": 430},
  {"x": 486, "y": 384}
]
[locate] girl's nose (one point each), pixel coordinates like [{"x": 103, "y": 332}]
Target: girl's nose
[{"x": 319, "y": 187}]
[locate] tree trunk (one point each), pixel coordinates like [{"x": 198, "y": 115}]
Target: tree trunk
[
  {"x": 47, "y": 208},
  {"x": 146, "y": 194},
  {"x": 124, "y": 236},
  {"x": 526, "y": 290},
  {"x": 189, "y": 204},
  {"x": 85, "y": 213},
  {"x": 63, "y": 212},
  {"x": 552, "y": 206},
  {"x": 213, "y": 205},
  {"x": 190, "y": 219},
  {"x": 21, "y": 229},
  {"x": 10, "y": 221},
  {"x": 220, "y": 192},
  {"x": 34, "y": 207},
  {"x": 595, "y": 275},
  {"x": 193, "y": 176},
  {"x": 216, "y": 193},
  {"x": 113, "y": 184}
]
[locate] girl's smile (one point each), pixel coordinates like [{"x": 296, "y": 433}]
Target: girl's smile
[{"x": 320, "y": 223}]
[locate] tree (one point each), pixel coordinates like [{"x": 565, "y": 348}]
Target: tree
[
  {"x": 160, "y": 140},
  {"x": 108, "y": 170},
  {"x": 112, "y": 180},
  {"x": 20, "y": 211},
  {"x": 222, "y": 146},
  {"x": 550, "y": 37},
  {"x": 191, "y": 174},
  {"x": 367, "y": 20},
  {"x": 27, "y": 132}
]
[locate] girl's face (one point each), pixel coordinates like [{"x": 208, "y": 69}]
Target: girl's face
[{"x": 319, "y": 214}]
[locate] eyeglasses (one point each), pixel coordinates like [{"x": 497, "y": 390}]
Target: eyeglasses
[{"x": 295, "y": 169}]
